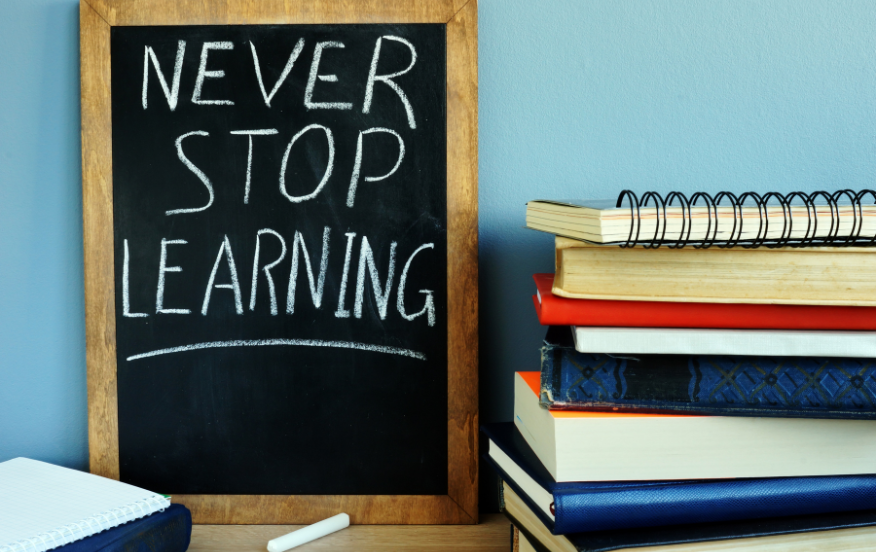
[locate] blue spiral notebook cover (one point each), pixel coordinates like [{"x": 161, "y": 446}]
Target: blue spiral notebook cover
[
  {"x": 788, "y": 387},
  {"x": 167, "y": 531},
  {"x": 601, "y": 506}
]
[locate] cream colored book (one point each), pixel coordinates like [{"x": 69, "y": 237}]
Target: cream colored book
[
  {"x": 596, "y": 446},
  {"x": 791, "y": 275},
  {"x": 523, "y": 544}
]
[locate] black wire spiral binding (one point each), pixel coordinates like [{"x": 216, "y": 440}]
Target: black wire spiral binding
[{"x": 700, "y": 199}]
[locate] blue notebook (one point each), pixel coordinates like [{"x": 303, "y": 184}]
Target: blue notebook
[
  {"x": 45, "y": 507},
  {"x": 580, "y": 507},
  {"x": 167, "y": 531}
]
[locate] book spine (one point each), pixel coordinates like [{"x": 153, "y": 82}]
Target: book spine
[
  {"x": 714, "y": 385},
  {"x": 709, "y": 502},
  {"x": 550, "y": 378},
  {"x": 553, "y": 310}
]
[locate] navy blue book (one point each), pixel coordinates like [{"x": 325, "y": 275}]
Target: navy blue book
[
  {"x": 167, "y": 531},
  {"x": 599, "y": 506},
  {"x": 811, "y": 532},
  {"x": 787, "y": 387}
]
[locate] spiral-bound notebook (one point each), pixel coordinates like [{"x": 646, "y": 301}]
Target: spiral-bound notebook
[
  {"x": 750, "y": 219},
  {"x": 44, "y": 506}
]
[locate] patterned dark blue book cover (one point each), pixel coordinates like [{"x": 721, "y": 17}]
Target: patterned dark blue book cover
[{"x": 804, "y": 387}]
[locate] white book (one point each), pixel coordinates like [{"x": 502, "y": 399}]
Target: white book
[
  {"x": 697, "y": 341},
  {"x": 44, "y": 506},
  {"x": 597, "y": 446}
]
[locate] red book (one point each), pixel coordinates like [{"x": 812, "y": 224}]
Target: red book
[{"x": 560, "y": 311}]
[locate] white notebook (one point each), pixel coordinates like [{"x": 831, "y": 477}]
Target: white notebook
[
  {"x": 696, "y": 341},
  {"x": 44, "y": 506}
]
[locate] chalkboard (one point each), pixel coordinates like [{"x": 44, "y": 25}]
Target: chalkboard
[{"x": 282, "y": 286}]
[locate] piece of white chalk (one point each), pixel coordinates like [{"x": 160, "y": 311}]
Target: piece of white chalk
[{"x": 309, "y": 533}]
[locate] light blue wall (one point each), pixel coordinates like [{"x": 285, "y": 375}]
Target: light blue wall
[
  {"x": 577, "y": 99},
  {"x": 583, "y": 98},
  {"x": 42, "y": 321}
]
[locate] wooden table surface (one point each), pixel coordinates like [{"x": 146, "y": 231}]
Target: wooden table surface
[{"x": 493, "y": 534}]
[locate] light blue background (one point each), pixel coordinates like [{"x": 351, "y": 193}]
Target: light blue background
[{"x": 578, "y": 98}]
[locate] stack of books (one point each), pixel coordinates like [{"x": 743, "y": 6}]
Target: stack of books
[{"x": 709, "y": 373}]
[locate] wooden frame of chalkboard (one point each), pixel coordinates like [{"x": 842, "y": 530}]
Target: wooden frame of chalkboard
[{"x": 459, "y": 17}]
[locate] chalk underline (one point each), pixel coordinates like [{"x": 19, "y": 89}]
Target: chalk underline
[{"x": 287, "y": 342}]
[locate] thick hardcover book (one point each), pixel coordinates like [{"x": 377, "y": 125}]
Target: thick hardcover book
[
  {"x": 787, "y": 275},
  {"x": 844, "y": 531},
  {"x": 807, "y": 387},
  {"x": 167, "y": 531},
  {"x": 583, "y": 445},
  {"x": 602, "y": 506},
  {"x": 554, "y": 310}
]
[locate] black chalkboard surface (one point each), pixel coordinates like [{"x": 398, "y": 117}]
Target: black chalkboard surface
[{"x": 280, "y": 254}]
